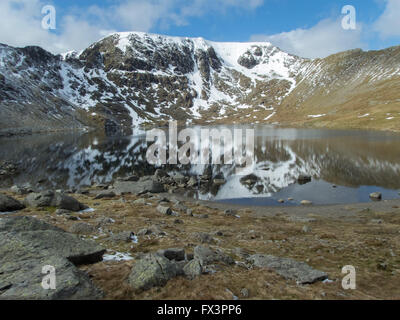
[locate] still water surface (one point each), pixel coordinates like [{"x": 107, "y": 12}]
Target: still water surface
[{"x": 346, "y": 166}]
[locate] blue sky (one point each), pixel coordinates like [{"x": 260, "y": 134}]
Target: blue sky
[{"x": 310, "y": 28}]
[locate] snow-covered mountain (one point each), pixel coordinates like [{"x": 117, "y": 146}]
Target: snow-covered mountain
[{"x": 128, "y": 79}]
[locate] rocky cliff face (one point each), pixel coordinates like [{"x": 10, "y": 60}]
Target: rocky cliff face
[{"x": 129, "y": 79}]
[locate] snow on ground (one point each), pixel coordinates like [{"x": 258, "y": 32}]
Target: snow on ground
[
  {"x": 316, "y": 115},
  {"x": 117, "y": 256}
]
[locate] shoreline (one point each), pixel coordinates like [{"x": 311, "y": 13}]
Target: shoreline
[{"x": 23, "y": 132}]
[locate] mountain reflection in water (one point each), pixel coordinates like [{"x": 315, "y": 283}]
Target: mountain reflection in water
[{"x": 356, "y": 162}]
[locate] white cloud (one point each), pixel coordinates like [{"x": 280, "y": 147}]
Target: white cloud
[
  {"x": 388, "y": 24},
  {"x": 20, "y": 20},
  {"x": 325, "y": 38}
]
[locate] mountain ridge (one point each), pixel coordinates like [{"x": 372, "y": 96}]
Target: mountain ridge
[{"x": 131, "y": 79}]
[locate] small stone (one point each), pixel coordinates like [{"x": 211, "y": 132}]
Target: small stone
[
  {"x": 306, "y": 203},
  {"x": 306, "y": 229},
  {"x": 231, "y": 213},
  {"x": 281, "y": 201},
  {"x": 203, "y": 237},
  {"x": 125, "y": 236},
  {"x": 164, "y": 210},
  {"x": 82, "y": 228},
  {"x": 382, "y": 266},
  {"x": 244, "y": 293},
  {"x": 377, "y": 196},
  {"x": 105, "y": 195},
  {"x": 139, "y": 202},
  {"x": 61, "y": 212}
]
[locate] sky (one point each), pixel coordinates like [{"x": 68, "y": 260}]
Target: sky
[{"x": 308, "y": 28}]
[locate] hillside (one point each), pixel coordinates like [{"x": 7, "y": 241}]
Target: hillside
[{"x": 131, "y": 79}]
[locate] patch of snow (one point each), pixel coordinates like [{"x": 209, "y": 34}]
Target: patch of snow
[{"x": 117, "y": 256}]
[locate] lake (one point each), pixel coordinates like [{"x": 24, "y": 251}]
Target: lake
[{"x": 345, "y": 165}]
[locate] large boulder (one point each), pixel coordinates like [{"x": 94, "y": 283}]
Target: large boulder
[
  {"x": 150, "y": 271},
  {"x": 21, "y": 224},
  {"x": 22, "y": 280},
  {"x": 27, "y": 245},
  {"x": 291, "y": 269},
  {"x": 53, "y": 199},
  {"x": 8, "y": 204}
]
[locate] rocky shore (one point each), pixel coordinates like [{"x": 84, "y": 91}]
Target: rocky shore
[{"x": 140, "y": 238}]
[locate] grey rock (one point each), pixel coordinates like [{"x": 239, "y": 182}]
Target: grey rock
[
  {"x": 203, "y": 237},
  {"x": 192, "y": 182},
  {"x": 291, "y": 269},
  {"x": 24, "y": 280},
  {"x": 104, "y": 221},
  {"x": 105, "y": 194},
  {"x": 21, "y": 190},
  {"x": 193, "y": 269},
  {"x": 53, "y": 199},
  {"x": 30, "y": 244},
  {"x": 125, "y": 236},
  {"x": 164, "y": 210},
  {"x": 377, "y": 196},
  {"x": 27, "y": 244},
  {"x": 144, "y": 185},
  {"x": 144, "y": 232},
  {"x": 150, "y": 271},
  {"x": 179, "y": 178},
  {"x": 306, "y": 203},
  {"x": 231, "y": 213},
  {"x": 139, "y": 202},
  {"x": 20, "y": 224},
  {"x": 177, "y": 254},
  {"x": 244, "y": 293},
  {"x": 82, "y": 228},
  {"x": 8, "y": 204},
  {"x": 156, "y": 187},
  {"x": 61, "y": 212},
  {"x": 130, "y": 178},
  {"x": 206, "y": 256},
  {"x": 160, "y": 173}
]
